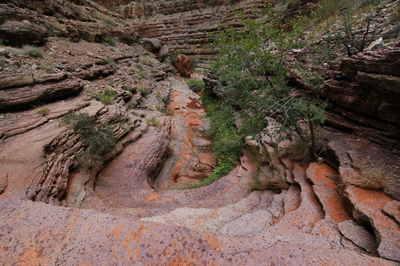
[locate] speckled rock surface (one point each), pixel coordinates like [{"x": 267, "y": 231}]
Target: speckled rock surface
[
  {"x": 367, "y": 209},
  {"x": 30, "y": 236}
]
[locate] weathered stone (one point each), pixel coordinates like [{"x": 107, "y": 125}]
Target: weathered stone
[
  {"x": 327, "y": 192},
  {"x": 16, "y": 81},
  {"x": 392, "y": 208},
  {"x": 248, "y": 224},
  {"x": 115, "y": 240},
  {"x": 358, "y": 235},
  {"x": 367, "y": 210},
  {"x": 26, "y": 96},
  {"x": 184, "y": 65},
  {"x": 164, "y": 53},
  {"x": 22, "y": 32},
  {"x": 365, "y": 94},
  {"x": 152, "y": 45}
]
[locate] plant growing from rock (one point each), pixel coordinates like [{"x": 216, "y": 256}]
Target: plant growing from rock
[
  {"x": 42, "y": 110},
  {"x": 252, "y": 73},
  {"x": 32, "y": 51},
  {"x": 144, "y": 92},
  {"x": 98, "y": 137},
  {"x": 373, "y": 177},
  {"x": 196, "y": 85},
  {"x": 108, "y": 96}
]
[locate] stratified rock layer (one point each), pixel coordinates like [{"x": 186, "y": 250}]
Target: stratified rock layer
[{"x": 364, "y": 96}]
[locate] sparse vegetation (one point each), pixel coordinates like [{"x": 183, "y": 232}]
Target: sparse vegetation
[
  {"x": 32, "y": 51},
  {"x": 144, "y": 92},
  {"x": 373, "y": 177},
  {"x": 111, "y": 41},
  {"x": 124, "y": 87},
  {"x": 42, "y": 110},
  {"x": 196, "y": 85},
  {"x": 153, "y": 122},
  {"x": 269, "y": 184},
  {"x": 112, "y": 63},
  {"x": 108, "y": 96},
  {"x": 98, "y": 137}
]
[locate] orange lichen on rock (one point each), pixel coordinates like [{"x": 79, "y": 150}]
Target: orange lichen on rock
[
  {"x": 327, "y": 192},
  {"x": 152, "y": 196},
  {"x": 117, "y": 231}
]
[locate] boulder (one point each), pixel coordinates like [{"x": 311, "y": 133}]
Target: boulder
[
  {"x": 152, "y": 45},
  {"x": 184, "y": 65},
  {"x": 164, "y": 53}
]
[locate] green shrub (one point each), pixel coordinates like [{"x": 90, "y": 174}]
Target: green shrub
[
  {"x": 153, "y": 122},
  {"x": 98, "y": 137},
  {"x": 112, "y": 63},
  {"x": 196, "y": 85},
  {"x": 109, "y": 22},
  {"x": 108, "y": 96},
  {"x": 124, "y": 87},
  {"x": 111, "y": 41},
  {"x": 144, "y": 92},
  {"x": 32, "y": 51}
]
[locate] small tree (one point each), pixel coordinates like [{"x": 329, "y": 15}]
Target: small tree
[{"x": 251, "y": 66}]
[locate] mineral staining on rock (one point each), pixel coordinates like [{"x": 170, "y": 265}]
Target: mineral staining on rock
[{"x": 122, "y": 208}]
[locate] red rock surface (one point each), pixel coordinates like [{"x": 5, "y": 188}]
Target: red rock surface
[
  {"x": 184, "y": 65},
  {"x": 367, "y": 208}
]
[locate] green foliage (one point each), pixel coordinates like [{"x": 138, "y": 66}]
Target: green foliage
[
  {"x": 124, "y": 87},
  {"x": 111, "y": 41},
  {"x": 196, "y": 85},
  {"x": 98, "y": 137},
  {"x": 227, "y": 142},
  {"x": 352, "y": 41},
  {"x": 251, "y": 69},
  {"x": 32, "y": 51},
  {"x": 144, "y": 92},
  {"x": 58, "y": 15},
  {"x": 109, "y": 22},
  {"x": 108, "y": 96},
  {"x": 112, "y": 63},
  {"x": 153, "y": 122}
]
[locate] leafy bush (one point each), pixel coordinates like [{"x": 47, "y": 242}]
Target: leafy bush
[
  {"x": 98, "y": 137},
  {"x": 153, "y": 122},
  {"x": 32, "y": 51},
  {"x": 108, "y": 96},
  {"x": 196, "y": 85},
  {"x": 112, "y": 63},
  {"x": 111, "y": 41},
  {"x": 144, "y": 92},
  {"x": 109, "y": 22},
  {"x": 253, "y": 80}
]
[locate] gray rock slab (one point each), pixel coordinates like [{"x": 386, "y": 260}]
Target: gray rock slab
[{"x": 358, "y": 235}]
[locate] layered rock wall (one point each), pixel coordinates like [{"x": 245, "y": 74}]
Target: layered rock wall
[
  {"x": 186, "y": 28},
  {"x": 364, "y": 93}
]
